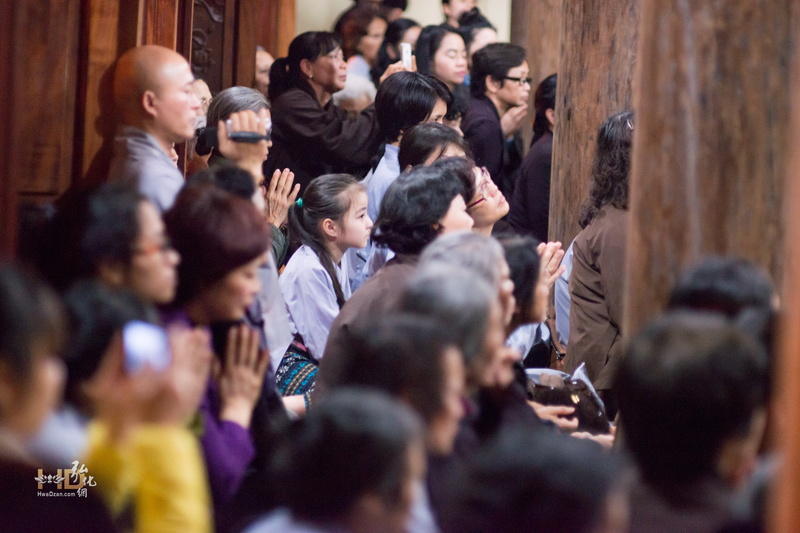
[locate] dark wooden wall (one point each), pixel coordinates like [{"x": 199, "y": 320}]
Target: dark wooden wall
[
  {"x": 55, "y": 56},
  {"x": 536, "y": 26},
  {"x": 598, "y": 48},
  {"x": 710, "y": 146}
]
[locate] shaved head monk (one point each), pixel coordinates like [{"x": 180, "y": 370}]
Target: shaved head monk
[{"x": 157, "y": 107}]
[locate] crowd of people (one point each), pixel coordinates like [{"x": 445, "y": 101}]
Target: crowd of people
[{"x": 335, "y": 319}]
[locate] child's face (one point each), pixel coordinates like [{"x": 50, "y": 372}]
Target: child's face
[{"x": 355, "y": 225}]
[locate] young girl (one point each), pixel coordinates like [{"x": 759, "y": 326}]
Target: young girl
[{"x": 331, "y": 217}]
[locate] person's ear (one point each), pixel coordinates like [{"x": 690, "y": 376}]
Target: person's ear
[
  {"x": 551, "y": 116},
  {"x": 307, "y": 68},
  {"x": 112, "y": 274},
  {"x": 492, "y": 85},
  {"x": 149, "y": 103},
  {"x": 330, "y": 228}
]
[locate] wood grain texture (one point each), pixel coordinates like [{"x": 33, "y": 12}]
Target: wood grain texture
[
  {"x": 43, "y": 83},
  {"x": 229, "y": 44},
  {"x": 207, "y": 43},
  {"x": 784, "y": 512},
  {"x": 536, "y": 26},
  {"x": 246, "y": 40},
  {"x": 598, "y": 49},
  {"x": 159, "y": 23},
  {"x": 710, "y": 151},
  {"x": 287, "y": 21},
  {"x": 108, "y": 28},
  {"x": 8, "y": 190}
]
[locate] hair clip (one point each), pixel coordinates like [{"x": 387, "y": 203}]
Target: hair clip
[{"x": 299, "y": 202}]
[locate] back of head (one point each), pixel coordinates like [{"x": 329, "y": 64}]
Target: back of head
[
  {"x": 453, "y": 296},
  {"x": 412, "y": 208},
  {"x": 689, "y": 383},
  {"x": 725, "y": 285},
  {"x": 222, "y": 106},
  {"x": 234, "y": 180},
  {"x": 430, "y": 139},
  {"x": 233, "y": 100},
  {"x": 533, "y": 480},
  {"x": 470, "y": 22},
  {"x": 112, "y": 226},
  {"x": 92, "y": 226},
  {"x": 430, "y": 38},
  {"x": 464, "y": 169},
  {"x": 285, "y": 73},
  {"x": 95, "y": 313},
  {"x": 215, "y": 233},
  {"x": 31, "y": 320},
  {"x": 494, "y": 61},
  {"x": 353, "y": 444},
  {"x": 405, "y": 99},
  {"x": 401, "y": 355},
  {"x": 523, "y": 262},
  {"x": 482, "y": 255},
  {"x": 544, "y": 99},
  {"x": 611, "y": 166}
]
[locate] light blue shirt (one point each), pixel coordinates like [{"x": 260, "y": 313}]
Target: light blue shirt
[
  {"x": 378, "y": 181},
  {"x": 366, "y": 261},
  {"x": 310, "y": 298},
  {"x": 562, "y": 298}
]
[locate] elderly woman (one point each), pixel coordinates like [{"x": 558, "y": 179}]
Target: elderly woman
[
  {"x": 311, "y": 135},
  {"x": 275, "y": 195}
]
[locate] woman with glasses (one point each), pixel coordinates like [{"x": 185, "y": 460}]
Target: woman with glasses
[
  {"x": 115, "y": 235},
  {"x": 499, "y": 88},
  {"x": 488, "y": 205}
]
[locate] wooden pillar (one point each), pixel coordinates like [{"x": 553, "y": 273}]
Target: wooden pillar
[
  {"x": 108, "y": 28},
  {"x": 598, "y": 47},
  {"x": 276, "y": 29},
  {"x": 536, "y": 26},
  {"x": 785, "y": 493},
  {"x": 709, "y": 157},
  {"x": 159, "y": 23}
]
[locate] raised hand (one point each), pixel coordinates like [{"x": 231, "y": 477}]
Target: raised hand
[{"x": 241, "y": 376}]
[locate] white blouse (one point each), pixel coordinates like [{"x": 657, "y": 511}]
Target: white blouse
[{"x": 310, "y": 298}]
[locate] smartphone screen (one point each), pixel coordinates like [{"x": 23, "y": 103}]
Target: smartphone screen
[
  {"x": 405, "y": 51},
  {"x": 145, "y": 344}
]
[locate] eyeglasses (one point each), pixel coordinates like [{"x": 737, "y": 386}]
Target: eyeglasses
[
  {"x": 521, "y": 81},
  {"x": 164, "y": 246},
  {"x": 485, "y": 182}
]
